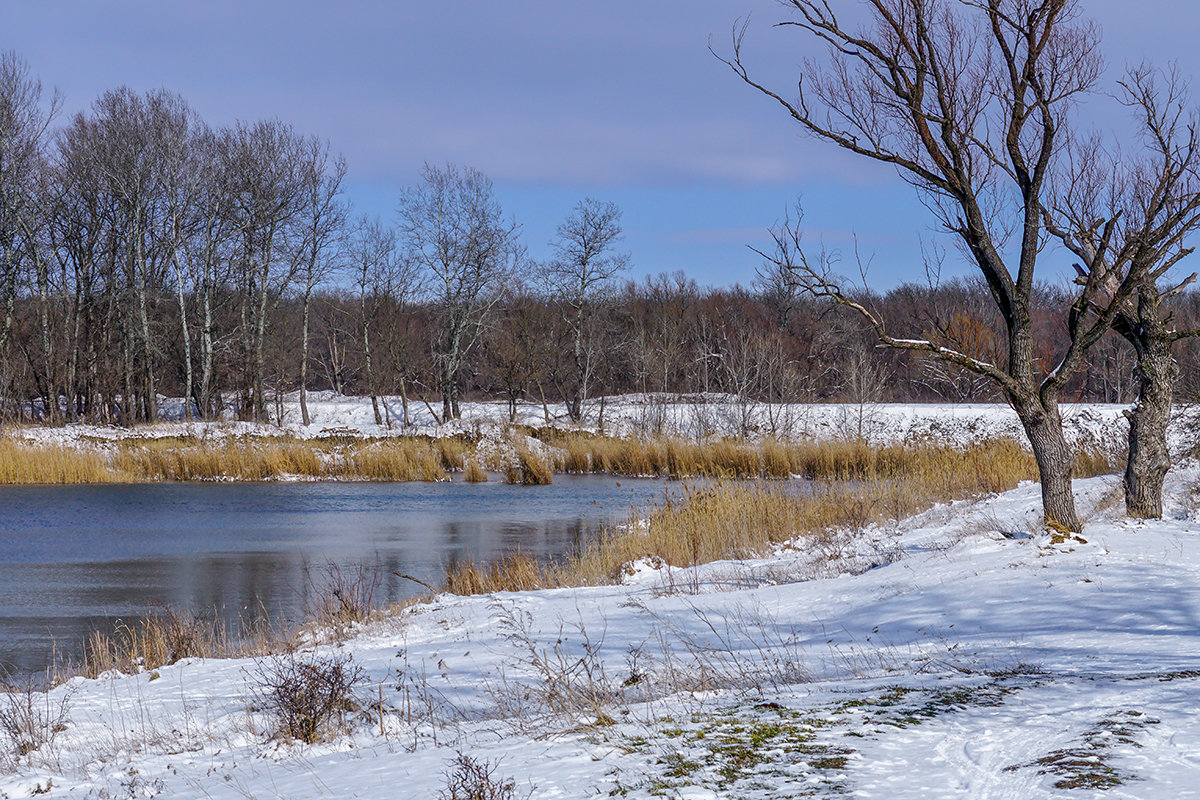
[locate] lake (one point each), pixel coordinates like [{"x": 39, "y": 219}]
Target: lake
[{"x": 80, "y": 558}]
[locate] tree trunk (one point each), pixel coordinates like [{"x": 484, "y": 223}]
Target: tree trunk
[
  {"x": 304, "y": 363},
  {"x": 1149, "y": 458},
  {"x": 404, "y": 401},
  {"x": 1056, "y": 465},
  {"x": 206, "y": 349},
  {"x": 149, "y": 390},
  {"x": 187, "y": 341}
]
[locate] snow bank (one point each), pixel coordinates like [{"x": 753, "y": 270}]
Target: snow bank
[{"x": 691, "y": 417}]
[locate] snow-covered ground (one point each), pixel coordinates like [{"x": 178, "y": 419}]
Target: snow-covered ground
[
  {"x": 959, "y": 654},
  {"x": 692, "y": 417}
]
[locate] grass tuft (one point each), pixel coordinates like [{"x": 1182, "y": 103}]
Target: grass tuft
[{"x": 474, "y": 472}]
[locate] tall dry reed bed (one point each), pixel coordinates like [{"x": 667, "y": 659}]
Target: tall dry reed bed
[
  {"x": 853, "y": 486},
  {"x": 140, "y": 460},
  {"x": 183, "y": 458},
  {"x": 768, "y": 458}
]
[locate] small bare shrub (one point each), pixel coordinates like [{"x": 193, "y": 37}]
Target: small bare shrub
[
  {"x": 29, "y": 719},
  {"x": 570, "y": 679},
  {"x": 469, "y": 779},
  {"x": 307, "y": 697}
]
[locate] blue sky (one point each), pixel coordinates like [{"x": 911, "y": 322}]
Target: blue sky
[{"x": 554, "y": 99}]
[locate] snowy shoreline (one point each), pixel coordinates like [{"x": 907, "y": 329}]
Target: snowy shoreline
[{"x": 959, "y": 653}]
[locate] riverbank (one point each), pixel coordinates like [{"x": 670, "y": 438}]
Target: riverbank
[
  {"x": 638, "y": 436},
  {"x": 957, "y": 652}
]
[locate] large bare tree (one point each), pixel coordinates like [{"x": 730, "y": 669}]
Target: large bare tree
[
  {"x": 971, "y": 101},
  {"x": 266, "y": 184},
  {"x": 25, "y": 118}
]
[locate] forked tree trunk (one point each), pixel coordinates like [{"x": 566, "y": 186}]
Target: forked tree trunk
[
  {"x": 1056, "y": 466},
  {"x": 1149, "y": 458}
]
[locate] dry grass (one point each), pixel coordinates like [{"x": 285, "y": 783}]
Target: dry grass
[
  {"x": 855, "y": 486},
  {"x": 516, "y": 572},
  {"x": 1093, "y": 461},
  {"x": 453, "y": 452},
  {"x": 22, "y": 464},
  {"x": 150, "y": 460},
  {"x": 529, "y": 469},
  {"x": 138, "y": 460},
  {"x": 836, "y": 460},
  {"x": 184, "y": 458},
  {"x": 475, "y": 473},
  {"x": 158, "y": 641},
  {"x": 393, "y": 460},
  {"x": 731, "y": 458}
]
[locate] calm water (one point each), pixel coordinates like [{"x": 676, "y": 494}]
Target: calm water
[{"x": 75, "y": 559}]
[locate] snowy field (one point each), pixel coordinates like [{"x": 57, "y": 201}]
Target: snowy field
[
  {"x": 959, "y": 654},
  {"x": 691, "y": 417}
]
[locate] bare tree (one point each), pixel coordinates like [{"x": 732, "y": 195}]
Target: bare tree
[
  {"x": 266, "y": 186},
  {"x": 381, "y": 277},
  {"x": 583, "y": 268},
  {"x": 1131, "y": 214},
  {"x": 209, "y": 254},
  {"x": 452, "y": 228},
  {"x": 323, "y": 218},
  {"x": 971, "y": 102},
  {"x": 140, "y": 144},
  {"x": 25, "y": 118}
]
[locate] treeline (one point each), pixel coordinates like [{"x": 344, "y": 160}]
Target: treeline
[{"x": 145, "y": 253}]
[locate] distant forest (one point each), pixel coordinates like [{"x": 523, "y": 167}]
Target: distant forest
[{"x": 145, "y": 253}]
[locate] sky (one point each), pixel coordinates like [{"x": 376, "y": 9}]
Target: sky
[{"x": 556, "y": 100}]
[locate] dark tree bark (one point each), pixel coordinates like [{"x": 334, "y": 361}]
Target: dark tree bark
[
  {"x": 1149, "y": 459},
  {"x": 1127, "y": 216}
]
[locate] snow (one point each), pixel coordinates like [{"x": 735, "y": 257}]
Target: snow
[
  {"x": 960, "y": 653},
  {"x": 689, "y": 416}
]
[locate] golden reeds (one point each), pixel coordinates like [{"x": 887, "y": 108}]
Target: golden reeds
[
  {"x": 392, "y": 460},
  {"x": 22, "y": 464},
  {"x": 184, "y": 458},
  {"x": 158, "y": 641},
  {"x": 137, "y": 460},
  {"x": 475, "y": 473},
  {"x": 516, "y": 572},
  {"x": 854, "y": 485},
  {"x": 529, "y": 469},
  {"x": 732, "y": 458}
]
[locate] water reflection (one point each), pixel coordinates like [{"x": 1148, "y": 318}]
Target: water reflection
[{"x": 74, "y": 559}]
